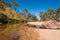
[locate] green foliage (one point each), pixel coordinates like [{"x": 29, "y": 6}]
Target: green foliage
[
  {"x": 7, "y": 15},
  {"x": 50, "y": 14},
  {"x": 13, "y": 21},
  {"x": 15, "y": 3},
  {"x": 25, "y": 12},
  {"x": 4, "y": 21},
  {"x": 42, "y": 16},
  {"x": 29, "y": 16},
  {"x": 34, "y": 18}
]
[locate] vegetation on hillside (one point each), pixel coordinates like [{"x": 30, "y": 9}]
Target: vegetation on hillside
[{"x": 8, "y": 15}]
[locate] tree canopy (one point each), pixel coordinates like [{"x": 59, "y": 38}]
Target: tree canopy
[{"x": 50, "y": 14}]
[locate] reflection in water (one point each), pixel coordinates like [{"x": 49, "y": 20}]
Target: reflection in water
[
  {"x": 3, "y": 26},
  {"x": 34, "y": 26},
  {"x": 38, "y": 27},
  {"x": 9, "y": 31}
]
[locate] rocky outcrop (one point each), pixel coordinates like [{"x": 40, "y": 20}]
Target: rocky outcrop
[{"x": 47, "y": 24}]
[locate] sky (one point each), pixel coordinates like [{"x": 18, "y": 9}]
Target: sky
[{"x": 35, "y": 6}]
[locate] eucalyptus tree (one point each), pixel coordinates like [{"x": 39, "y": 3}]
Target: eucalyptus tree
[
  {"x": 34, "y": 18},
  {"x": 48, "y": 15},
  {"x": 25, "y": 12},
  {"x": 58, "y": 13},
  {"x": 43, "y": 16}
]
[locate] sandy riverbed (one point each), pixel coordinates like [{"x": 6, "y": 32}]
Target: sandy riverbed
[{"x": 38, "y": 34}]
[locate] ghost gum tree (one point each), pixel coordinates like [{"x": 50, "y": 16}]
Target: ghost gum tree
[
  {"x": 29, "y": 16},
  {"x": 50, "y": 14}
]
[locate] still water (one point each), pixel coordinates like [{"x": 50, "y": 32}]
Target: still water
[
  {"x": 38, "y": 27},
  {"x": 10, "y": 31}
]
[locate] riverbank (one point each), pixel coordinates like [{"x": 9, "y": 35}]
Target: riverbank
[
  {"x": 27, "y": 33},
  {"x": 51, "y": 24},
  {"x": 24, "y": 32}
]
